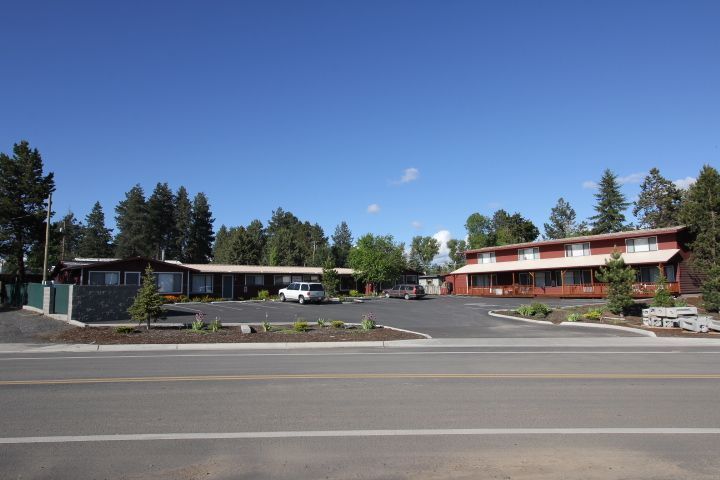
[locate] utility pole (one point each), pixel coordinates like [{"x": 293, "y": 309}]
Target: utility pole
[
  {"x": 47, "y": 240},
  {"x": 62, "y": 249}
]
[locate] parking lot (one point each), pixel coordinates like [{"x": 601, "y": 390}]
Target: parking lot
[{"x": 439, "y": 317}]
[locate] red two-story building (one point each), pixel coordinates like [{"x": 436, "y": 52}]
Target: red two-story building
[{"x": 569, "y": 267}]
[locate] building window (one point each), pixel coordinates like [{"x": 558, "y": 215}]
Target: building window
[
  {"x": 132, "y": 278},
  {"x": 645, "y": 244},
  {"x": 528, "y": 253},
  {"x": 411, "y": 279},
  {"x": 549, "y": 278},
  {"x": 578, "y": 277},
  {"x": 297, "y": 278},
  {"x": 169, "y": 282},
  {"x": 282, "y": 280},
  {"x": 670, "y": 273},
  {"x": 483, "y": 281},
  {"x": 202, "y": 283},
  {"x": 255, "y": 280},
  {"x": 647, "y": 274},
  {"x": 311, "y": 278},
  {"x": 486, "y": 257},
  {"x": 104, "y": 278},
  {"x": 577, "y": 250}
]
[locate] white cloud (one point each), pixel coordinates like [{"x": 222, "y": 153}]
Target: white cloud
[
  {"x": 373, "y": 208},
  {"x": 684, "y": 183},
  {"x": 443, "y": 236},
  {"x": 589, "y": 184},
  {"x": 632, "y": 178},
  {"x": 409, "y": 175},
  {"x": 416, "y": 225}
]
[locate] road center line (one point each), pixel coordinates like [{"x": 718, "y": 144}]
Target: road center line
[
  {"x": 361, "y": 433},
  {"x": 367, "y": 376}
]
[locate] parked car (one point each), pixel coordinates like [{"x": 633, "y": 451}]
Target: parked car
[
  {"x": 405, "y": 291},
  {"x": 303, "y": 292}
]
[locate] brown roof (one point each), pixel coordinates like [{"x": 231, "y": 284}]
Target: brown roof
[{"x": 604, "y": 236}]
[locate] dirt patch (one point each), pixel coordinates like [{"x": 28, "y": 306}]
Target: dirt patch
[
  {"x": 634, "y": 320},
  {"x": 173, "y": 335}
]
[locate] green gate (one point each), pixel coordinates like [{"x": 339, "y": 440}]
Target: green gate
[
  {"x": 35, "y": 295},
  {"x": 62, "y": 298}
]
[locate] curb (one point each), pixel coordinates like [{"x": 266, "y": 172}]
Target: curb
[{"x": 638, "y": 331}]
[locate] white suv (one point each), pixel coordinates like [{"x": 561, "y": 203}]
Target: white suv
[{"x": 303, "y": 292}]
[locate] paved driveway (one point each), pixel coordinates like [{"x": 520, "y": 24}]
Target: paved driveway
[{"x": 439, "y": 317}]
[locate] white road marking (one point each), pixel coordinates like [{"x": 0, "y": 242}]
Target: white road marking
[
  {"x": 333, "y": 354},
  {"x": 361, "y": 433}
]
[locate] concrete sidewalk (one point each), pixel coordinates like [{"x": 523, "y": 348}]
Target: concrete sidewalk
[{"x": 420, "y": 343}]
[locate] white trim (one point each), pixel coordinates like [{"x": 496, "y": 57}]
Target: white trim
[
  {"x": 134, "y": 284},
  {"x": 105, "y": 271}
]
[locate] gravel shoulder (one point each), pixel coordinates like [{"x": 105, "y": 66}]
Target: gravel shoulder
[{"x": 23, "y": 326}]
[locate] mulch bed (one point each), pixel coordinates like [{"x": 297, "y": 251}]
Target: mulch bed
[
  {"x": 633, "y": 321},
  {"x": 173, "y": 335}
]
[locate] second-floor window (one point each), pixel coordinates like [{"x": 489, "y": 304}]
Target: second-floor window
[
  {"x": 528, "y": 253},
  {"x": 577, "y": 250},
  {"x": 646, "y": 244},
  {"x": 486, "y": 257}
]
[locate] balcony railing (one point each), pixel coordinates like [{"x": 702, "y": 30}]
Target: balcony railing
[{"x": 582, "y": 290}]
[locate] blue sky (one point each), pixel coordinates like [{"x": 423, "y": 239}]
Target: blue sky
[{"x": 427, "y": 110}]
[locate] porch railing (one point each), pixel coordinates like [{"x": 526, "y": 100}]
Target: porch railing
[{"x": 582, "y": 290}]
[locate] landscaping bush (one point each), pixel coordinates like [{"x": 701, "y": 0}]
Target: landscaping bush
[
  {"x": 266, "y": 327},
  {"x": 574, "y": 317},
  {"x": 680, "y": 302},
  {"x": 125, "y": 329},
  {"x": 199, "y": 323},
  {"x": 524, "y": 310},
  {"x": 620, "y": 279},
  {"x": 215, "y": 325},
  {"x": 321, "y": 322},
  {"x": 540, "y": 310},
  {"x": 593, "y": 314},
  {"x": 264, "y": 295},
  {"x": 300, "y": 326},
  {"x": 355, "y": 293},
  {"x": 662, "y": 297},
  {"x": 337, "y": 324},
  {"x": 368, "y": 321}
]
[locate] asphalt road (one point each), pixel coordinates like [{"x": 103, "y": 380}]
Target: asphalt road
[
  {"x": 439, "y": 317},
  {"x": 520, "y": 413}
]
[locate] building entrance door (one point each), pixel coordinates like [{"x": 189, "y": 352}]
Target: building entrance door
[{"x": 227, "y": 286}]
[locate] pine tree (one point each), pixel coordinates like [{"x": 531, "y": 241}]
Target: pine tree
[
  {"x": 148, "y": 303},
  {"x": 341, "y": 244},
  {"x": 711, "y": 289},
  {"x": 658, "y": 204},
  {"x": 162, "y": 224},
  {"x": 24, "y": 191},
  {"x": 285, "y": 242},
  {"x": 330, "y": 278},
  {"x": 562, "y": 222},
  {"x": 199, "y": 249},
  {"x": 256, "y": 238},
  {"x": 132, "y": 221},
  {"x": 701, "y": 213},
  {"x": 662, "y": 297},
  {"x": 183, "y": 219},
  {"x": 221, "y": 247},
  {"x": 96, "y": 240},
  {"x": 611, "y": 204},
  {"x": 620, "y": 279}
]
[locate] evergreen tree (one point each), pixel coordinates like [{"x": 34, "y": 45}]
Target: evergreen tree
[
  {"x": 147, "y": 306},
  {"x": 330, "y": 278},
  {"x": 284, "y": 245},
  {"x": 162, "y": 224},
  {"x": 562, "y": 222},
  {"x": 457, "y": 252},
  {"x": 620, "y": 279},
  {"x": 23, "y": 209},
  {"x": 611, "y": 204},
  {"x": 658, "y": 204},
  {"x": 341, "y": 244},
  {"x": 662, "y": 297},
  {"x": 711, "y": 289},
  {"x": 199, "y": 249},
  {"x": 701, "y": 213},
  {"x": 422, "y": 251},
  {"x": 96, "y": 240},
  {"x": 316, "y": 249},
  {"x": 221, "y": 247},
  {"x": 132, "y": 221},
  {"x": 255, "y": 238},
  {"x": 183, "y": 219}
]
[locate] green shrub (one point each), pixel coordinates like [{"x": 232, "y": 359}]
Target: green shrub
[
  {"x": 215, "y": 325},
  {"x": 662, "y": 297},
  {"x": 198, "y": 325},
  {"x": 367, "y": 321},
  {"x": 680, "y": 302},
  {"x": 125, "y": 329},
  {"x": 593, "y": 314},
  {"x": 300, "y": 326},
  {"x": 574, "y": 317},
  {"x": 183, "y": 299},
  {"x": 354, "y": 293},
  {"x": 264, "y": 295},
  {"x": 266, "y": 327},
  {"x": 525, "y": 310},
  {"x": 540, "y": 310},
  {"x": 337, "y": 324},
  {"x": 321, "y": 322}
]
